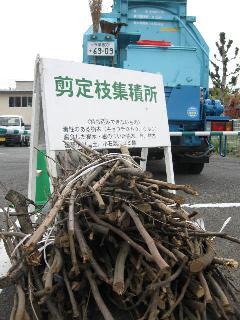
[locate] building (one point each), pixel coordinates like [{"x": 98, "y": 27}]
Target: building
[{"x": 18, "y": 101}]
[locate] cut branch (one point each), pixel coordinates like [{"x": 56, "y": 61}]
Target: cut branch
[{"x": 118, "y": 281}]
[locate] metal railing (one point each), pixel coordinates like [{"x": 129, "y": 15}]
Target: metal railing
[{"x": 224, "y": 142}]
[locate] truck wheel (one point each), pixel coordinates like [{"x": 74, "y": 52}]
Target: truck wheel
[
  {"x": 195, "y": 168},
  {"x": 188, "y": 168}
]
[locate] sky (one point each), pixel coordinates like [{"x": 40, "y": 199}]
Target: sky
[{"x": 54, "y": 29}]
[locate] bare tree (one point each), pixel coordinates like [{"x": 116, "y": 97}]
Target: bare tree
[{"x": 223, "y": 79}]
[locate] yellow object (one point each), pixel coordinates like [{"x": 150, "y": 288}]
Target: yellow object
[{"x": 170, "y": 29}]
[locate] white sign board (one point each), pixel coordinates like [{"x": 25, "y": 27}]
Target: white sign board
[{"x": 101, "y": 106}]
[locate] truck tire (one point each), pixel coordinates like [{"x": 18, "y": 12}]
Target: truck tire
[
  {"x": 188, "y": 168},
  {"x": 195, "y": 168}
]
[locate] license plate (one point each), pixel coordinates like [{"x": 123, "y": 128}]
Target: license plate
[
  {"x": 98, "y": 48},
  {"x": 2, "y": 139}
]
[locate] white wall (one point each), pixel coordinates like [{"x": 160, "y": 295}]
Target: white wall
[{"x": 25, "y": 112}]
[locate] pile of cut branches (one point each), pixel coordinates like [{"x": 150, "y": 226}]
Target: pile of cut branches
[{"x": 114, "y": 244}]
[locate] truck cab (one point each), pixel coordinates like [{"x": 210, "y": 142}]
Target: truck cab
[{"x": 12, "y": 130}]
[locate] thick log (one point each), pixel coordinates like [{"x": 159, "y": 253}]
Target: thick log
[{"x": 21, "y": 207}]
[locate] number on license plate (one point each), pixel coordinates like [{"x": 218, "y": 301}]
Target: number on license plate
[{"x": 101, "y": 48}]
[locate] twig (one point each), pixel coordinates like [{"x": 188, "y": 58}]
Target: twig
[
  {"x": 12, "y": 234},
  {"x": 208, "y": 296},
  {"x": 55, "y": 267},
  {"x": 83, "y": 155},
  {"x": 71, "y": 212},
  {"x": 30, "y": 290},
  {"x": 21, "y": 303},
  {"x": 14, "y": 308},
  {"x": 76, "y": 313},
  {"x": 87, "y": 254},
  {"x": 96, "y": 294},
  {"x": 148, "y": 239},
  {"x": 179, "y": 299},
  {"x": 99, "y": 184},
  {"x": 213, "y": 234},
  {"x": 49, "y": 302},
  {"x": 90, "y": 177},
  {"x": 31, "y": 243},
  {"x": 161, "y": 247},
  {"x": 99, "y": 198},
  {"x": 219, "y": 292},
  {"x": 120, "y": 234},
  {"x": 166, "y": 185},
  {"x": 84, "y": 146}
]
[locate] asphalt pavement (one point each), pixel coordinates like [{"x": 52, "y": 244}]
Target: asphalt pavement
[
  {"x": 13, "y": 170},
  {"x": 218, "y": 184}
]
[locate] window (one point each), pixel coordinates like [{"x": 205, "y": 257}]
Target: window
[
  {"x": 11, "y": 101},
  {"x": 17, "y": 102},
  {"x": 9, "y": 121},
  {"x": 24, "y": 101},
  {"x": 29, "y": 101}
]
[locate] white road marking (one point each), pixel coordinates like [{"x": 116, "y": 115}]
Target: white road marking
[{"x": 212, "y": 205}]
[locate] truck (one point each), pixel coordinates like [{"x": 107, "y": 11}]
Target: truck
[
  {"x": 13, "y": 131},
  {"x": 157, "y": 36}
]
